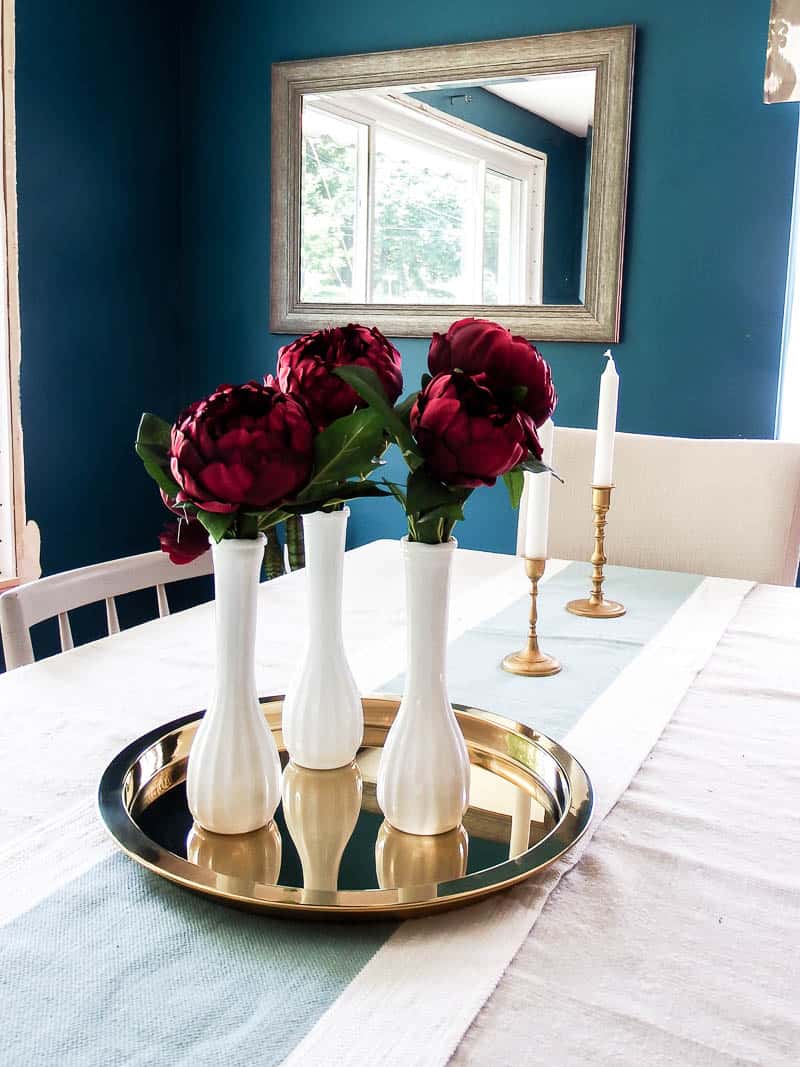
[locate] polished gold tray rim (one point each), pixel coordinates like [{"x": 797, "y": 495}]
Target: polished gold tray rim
[{"x": 377, "y": 903}]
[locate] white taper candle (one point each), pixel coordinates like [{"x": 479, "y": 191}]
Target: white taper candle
[
  {"x": 606, "y": 425},
  {"x": 537, "y": 514}
]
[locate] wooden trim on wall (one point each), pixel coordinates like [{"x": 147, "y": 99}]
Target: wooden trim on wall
[
  {"x": 607, "y": 51},
  {"x": 26, "y": 535}
]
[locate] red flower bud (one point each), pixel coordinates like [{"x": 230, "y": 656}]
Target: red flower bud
[
  {"x": 184, "y": 540},
  {"x": 246, "y": 446},
  {"x": 306, "y": 366},
  {"x": 469, "y": 435},
  {"x": 479, "y": 347}
]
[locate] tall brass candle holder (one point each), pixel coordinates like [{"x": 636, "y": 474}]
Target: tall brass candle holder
[
  {"x": 531, "y": 661},
  {"x": 595, "y": 606}
]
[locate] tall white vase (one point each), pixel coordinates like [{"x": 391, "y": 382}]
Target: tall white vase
[
  {"x": 323, "y": 721},
  {"x": 423, "y": 779},
  {"x": 233, "y": 782}
]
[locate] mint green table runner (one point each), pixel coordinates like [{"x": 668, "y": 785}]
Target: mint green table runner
[{"x": 120, "y": 967}]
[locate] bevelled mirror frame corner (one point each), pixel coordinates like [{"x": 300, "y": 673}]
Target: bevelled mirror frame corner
[{"x": 608, "y": 52}]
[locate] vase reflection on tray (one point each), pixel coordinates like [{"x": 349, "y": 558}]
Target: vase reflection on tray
[
  {"x": 254, "y": 857},
  {"x": 321, "y": 809},
  {"x": 407, "y": 860},
  {"x": 142, "y": 801}
]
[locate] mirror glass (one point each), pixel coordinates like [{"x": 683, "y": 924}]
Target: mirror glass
[{"x": 448, "y": 193}]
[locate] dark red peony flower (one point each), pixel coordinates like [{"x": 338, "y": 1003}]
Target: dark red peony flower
[
  {"x": 184, "y": 540},
  {"x": 306, "y": 366},
  {"x": 468, "y": 434},
  {"x": 479, "y": 347},
  {"x": 244, "y": 446}
]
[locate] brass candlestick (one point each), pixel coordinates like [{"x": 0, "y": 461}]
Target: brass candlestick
[
  {"x": 595, "y": 606},
  {"x": 530, "y": 661}
]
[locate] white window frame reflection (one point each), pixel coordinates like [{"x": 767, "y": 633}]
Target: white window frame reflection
[{"x": 403, "y": 117}]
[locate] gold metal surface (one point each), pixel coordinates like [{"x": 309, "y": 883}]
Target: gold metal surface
[
  {"x": 595, "y": 606},
  {"x": 529, "y": 802},
  {"x": 531, "y": 661}
]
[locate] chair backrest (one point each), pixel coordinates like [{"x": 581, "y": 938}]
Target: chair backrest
[
  {"x": 56, "y": 595},
  {"x": 726, "y": 508}
]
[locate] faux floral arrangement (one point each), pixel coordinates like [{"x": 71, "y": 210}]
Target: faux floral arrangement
[
  {"x": 474, "y": 419},
  {"x": 247, "y": 457}
]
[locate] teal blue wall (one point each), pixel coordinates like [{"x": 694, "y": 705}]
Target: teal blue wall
[
  {"x": 708, "y": 217},
  {"x": 97, "y": 160},
  {"x": 564, "y": 186},
  {"x": 145, "y": 281}
]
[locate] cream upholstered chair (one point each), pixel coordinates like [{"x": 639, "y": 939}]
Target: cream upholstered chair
[
  {"x": 46, "y": 598},
  {"x": 726, "y": 508}
]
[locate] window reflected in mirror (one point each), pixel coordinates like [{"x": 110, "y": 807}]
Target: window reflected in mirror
[{"x": 447, "y": 194}]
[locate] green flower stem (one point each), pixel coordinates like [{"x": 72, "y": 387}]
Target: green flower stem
[
  {"x": 247, "y": 526},
  {"x": 430, "y": 532},
  {"x": 295, "y": 542},
  {"x": 273, "y": 555}
]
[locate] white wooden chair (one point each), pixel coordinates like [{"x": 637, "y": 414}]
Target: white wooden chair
[
  {"x": 726, "y": 508},
  {"x": 24, "y": 606}
]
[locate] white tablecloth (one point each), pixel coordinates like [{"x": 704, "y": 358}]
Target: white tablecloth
[{"x": 675, "y": 939}]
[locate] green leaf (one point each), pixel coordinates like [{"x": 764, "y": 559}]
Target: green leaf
[
  {"x": 426, "y": 379},
  {"x": 368, "y": 386},
  {"x": 348, "y": 448},
  {"x": 518, "y": 394},
  {"x": 535, "y": 466},
  {"x": 336, "y": 493},
  {"x": 429, "y": 498},
  {"x": 153, "y": 431},
  {"x": 515, "y": 483},
  {"x": 217, "y": 525},
  {"x": 152, "y": 448},
  {"x": 397, "y": 492},
  {"x": 266, "y": 520}
]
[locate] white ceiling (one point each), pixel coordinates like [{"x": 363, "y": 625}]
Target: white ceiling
[{"x": 567, "y": 100}]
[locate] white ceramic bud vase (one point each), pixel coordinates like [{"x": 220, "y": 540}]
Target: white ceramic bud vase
[
  {"x": 423, "y": 779},
  {"x": 233, "y": 782},
  {"x": 323, "y": 721}
]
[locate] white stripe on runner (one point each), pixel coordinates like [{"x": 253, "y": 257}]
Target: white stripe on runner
[
  {"x": 412, "y": 1003},
  {"x": 61, "y": 849},
  {"x": 49, "y": 856}
]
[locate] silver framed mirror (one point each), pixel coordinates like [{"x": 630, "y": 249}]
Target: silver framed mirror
[{"x": 416, "y": 187}]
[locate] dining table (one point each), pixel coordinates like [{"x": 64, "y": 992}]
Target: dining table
[{"x": 669, "y": 934}]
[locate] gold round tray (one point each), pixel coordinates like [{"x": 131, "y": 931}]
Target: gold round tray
[{"x": 329, "y": 853}]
